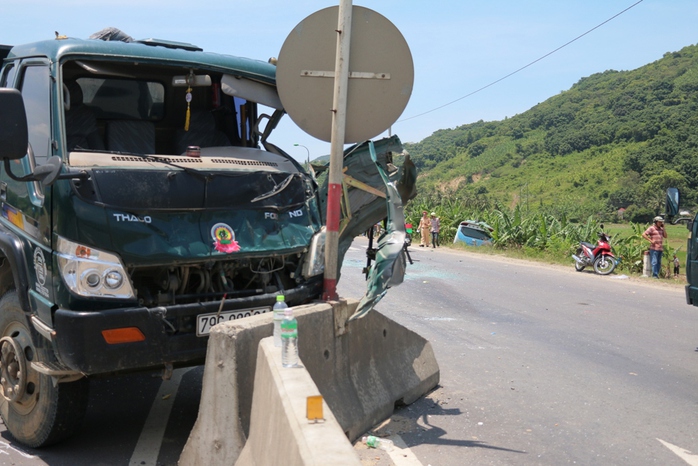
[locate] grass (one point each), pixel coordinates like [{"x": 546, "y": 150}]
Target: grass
[
  {"x": 677, "y": 235},
  {"x": 546, "y": 237}
]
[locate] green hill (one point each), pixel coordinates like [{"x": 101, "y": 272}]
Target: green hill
[{"x": 615, "y": 139}]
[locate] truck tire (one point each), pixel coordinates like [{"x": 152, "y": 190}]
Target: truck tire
[{"x": 35, "y": 411}]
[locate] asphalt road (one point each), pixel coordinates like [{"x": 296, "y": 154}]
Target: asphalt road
[
  {"x": 134, "y": 419},
  {"x": 544, "y": 365},
  {"x": 540, "y": 365}
]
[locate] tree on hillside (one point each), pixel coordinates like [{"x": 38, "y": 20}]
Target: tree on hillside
[
  {"x": 615, "y": 139},
  {"x": 654, "y": 190},
  {"x": 627, "y": 193}
]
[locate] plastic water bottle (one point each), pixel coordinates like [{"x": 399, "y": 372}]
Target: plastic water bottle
[
  {"x": 289, "y": 339},
  {"x": 372, "y": 441},
  {"x": 278, "y": 310}
]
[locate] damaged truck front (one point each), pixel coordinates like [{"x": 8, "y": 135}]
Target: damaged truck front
[{"x": 141, "y": 204}]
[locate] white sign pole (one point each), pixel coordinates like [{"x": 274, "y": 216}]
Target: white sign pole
[{"x": 339, "y": 117}]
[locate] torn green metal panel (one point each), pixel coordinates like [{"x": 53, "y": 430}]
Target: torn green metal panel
[
  {"x": 366, "y": 208},
  {"x": 389, "y": 267}
]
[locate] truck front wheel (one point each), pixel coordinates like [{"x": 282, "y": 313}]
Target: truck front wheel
[{"x": 35, "y": 411}]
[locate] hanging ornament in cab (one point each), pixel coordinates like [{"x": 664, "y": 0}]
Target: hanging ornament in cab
[
  {"x": 188, "y": 97},
  {"x": 188, "y": 115}
]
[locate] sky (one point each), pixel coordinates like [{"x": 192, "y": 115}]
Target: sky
[{"x": 457, "y": 46}]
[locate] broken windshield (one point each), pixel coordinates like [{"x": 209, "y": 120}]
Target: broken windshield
[{"x": 148, "y": 109}]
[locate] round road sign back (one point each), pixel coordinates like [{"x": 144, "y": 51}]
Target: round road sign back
[{"x": 381, "y": 74}]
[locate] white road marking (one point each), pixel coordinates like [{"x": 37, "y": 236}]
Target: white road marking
[
  {"x": 148, "y": 446},
  {"x": 6, "y": 446},
  {"x": 687, "y": 456},
  {"x": 401, "y": 454}
]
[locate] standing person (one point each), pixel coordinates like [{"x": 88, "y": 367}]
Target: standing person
[
  {"x": 655, "y": 234},
  {"x": 424, "y": 227},
  {"x": 677, "y": 265},
  {"x": 435, "y": 228}
]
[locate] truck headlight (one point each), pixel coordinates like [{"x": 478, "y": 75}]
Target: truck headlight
[
  {"x": 315, "y": 259},
  {"x": 91, "y": 272}
]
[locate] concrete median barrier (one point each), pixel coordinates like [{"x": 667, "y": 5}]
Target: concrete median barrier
[
  {"x": 280, "y": 433},
  {"x": 362, "y": 369}
]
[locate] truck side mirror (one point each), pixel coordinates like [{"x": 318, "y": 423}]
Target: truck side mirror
[
  {"x": 672, "y": 202},
  {"x": 14, "y": 141},
  {"x": 14, "y": 136}
]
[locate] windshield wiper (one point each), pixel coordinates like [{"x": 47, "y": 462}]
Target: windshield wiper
[{"x": 149, "y": 158}]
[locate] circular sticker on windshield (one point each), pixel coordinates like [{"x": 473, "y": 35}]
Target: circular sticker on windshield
[{"x": 224, "y": 238}]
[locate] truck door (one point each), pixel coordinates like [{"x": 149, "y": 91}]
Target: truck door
[{"x": 26, "y": 206}]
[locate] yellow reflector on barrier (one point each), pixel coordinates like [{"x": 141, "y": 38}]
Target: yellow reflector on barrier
[{"x": 314, "y": 408}]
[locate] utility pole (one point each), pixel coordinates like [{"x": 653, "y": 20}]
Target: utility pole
[
  {"x": 381, "y": 83},
  {"x": 339, "y": 113}
]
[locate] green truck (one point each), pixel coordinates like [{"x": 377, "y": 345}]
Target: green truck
[
  {"x": 675, "y": 215},
  {"x": 142, "y": 203}
]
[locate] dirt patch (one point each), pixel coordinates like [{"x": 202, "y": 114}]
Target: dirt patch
[{"x": 453, "y": 184}]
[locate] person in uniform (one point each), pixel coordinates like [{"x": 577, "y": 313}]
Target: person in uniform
[{"x": 424, "y": 229}]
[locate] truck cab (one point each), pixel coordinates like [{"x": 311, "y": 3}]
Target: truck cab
[
  {"x": 675, "y": 215},
  {"x": 142, "y": 203}
]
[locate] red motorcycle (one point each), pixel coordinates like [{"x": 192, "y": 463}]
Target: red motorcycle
[{"x": 598, "y": 256}]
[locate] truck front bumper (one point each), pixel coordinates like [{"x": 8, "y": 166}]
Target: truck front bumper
[{"x": 80, "y": 346}]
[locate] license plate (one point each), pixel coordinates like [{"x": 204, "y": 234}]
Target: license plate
[{"x": 206, "y": 321}]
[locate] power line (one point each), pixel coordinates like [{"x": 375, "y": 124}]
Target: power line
[{"x": 523, "y": 67}]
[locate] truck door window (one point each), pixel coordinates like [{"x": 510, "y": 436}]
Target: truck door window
[
  {"x": 8, "y": 76},
  {"x": 35, "y": 91}
]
